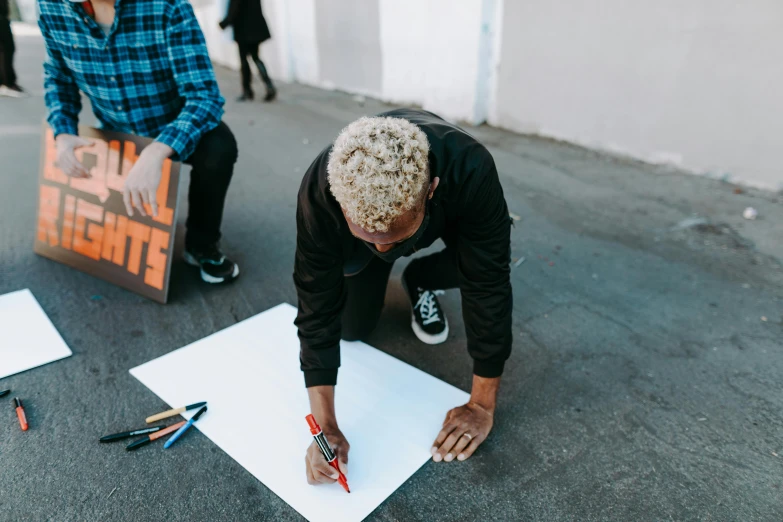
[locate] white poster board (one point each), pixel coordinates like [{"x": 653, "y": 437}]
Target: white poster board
[
  {"x": 249, "y": 374},
  {"x": 27, "y": 336}
]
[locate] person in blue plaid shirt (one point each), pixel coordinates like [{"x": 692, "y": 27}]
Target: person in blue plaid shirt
[{"x": 144, "y": 66}]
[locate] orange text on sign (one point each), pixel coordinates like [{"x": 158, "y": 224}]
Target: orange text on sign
[{"x": 87, "y": 229}]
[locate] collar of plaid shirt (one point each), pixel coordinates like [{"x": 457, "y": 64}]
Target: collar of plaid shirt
[
  {"x": 150, "y": 76},
  {"x": 87, "y": 6}
]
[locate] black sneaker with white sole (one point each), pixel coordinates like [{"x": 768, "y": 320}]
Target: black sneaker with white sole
[
  {"x": 12, "y": 91},
  {"x": 215, "y": 267},
  {"x": 427, "y": 319}
]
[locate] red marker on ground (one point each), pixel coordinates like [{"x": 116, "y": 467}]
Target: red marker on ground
[
  {"x": 20, "y": 414},
  {"x": 326, "y": 450}
]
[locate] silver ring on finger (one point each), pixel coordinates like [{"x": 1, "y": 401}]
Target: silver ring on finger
[{"x": 468, "y": 435}]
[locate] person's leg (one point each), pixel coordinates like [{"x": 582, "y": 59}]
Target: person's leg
[
  {"x": 437, "y": 271},
  {"x": 247, "y": 78},
  {"x": 7, "y": 75},
  {"x": 365, "y": 294},
  {"x": 271, "y": 92},
  {"x": 11, "y": 73},
  {"x": 3, "y": 60},
  {"x": 423, "y": 279},
  {"x": 213, "y": 166}
]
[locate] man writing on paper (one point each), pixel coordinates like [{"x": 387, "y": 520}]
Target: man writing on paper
[
  {"x": 389, "y": 186},
  {"x": 143, "y": 64}
]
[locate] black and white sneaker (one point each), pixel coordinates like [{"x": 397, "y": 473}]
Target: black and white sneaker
[
  {"x": 12, "y": 91},
  {"x": 427, "y": 319},
  {"x": 215, "y": 267}
]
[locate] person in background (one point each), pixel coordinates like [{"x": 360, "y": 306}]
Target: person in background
[
  {"x": 389, "y": 186},
  {"x": 143, "y": 64},
  {"x": 250, "y": 30},
  {"x": 8, "y": 86}
]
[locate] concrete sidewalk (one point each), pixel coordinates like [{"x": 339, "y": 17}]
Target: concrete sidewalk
[{"x": 646, "y": 381}]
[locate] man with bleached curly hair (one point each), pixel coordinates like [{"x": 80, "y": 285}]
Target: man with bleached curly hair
[{"x": 390, "y": 186}]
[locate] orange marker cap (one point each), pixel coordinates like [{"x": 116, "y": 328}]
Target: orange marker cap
[{"x": 314, "y": 427}]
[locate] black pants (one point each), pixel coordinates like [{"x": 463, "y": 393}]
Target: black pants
[
  {"x": 366, "y": 291},
  {"x": 213, "y": 165},
  {"x": 250, "y": 50},
  {"x": 7, "y": 48}
]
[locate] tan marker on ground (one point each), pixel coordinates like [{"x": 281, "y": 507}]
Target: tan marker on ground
[{"x": 175, "y": 411}]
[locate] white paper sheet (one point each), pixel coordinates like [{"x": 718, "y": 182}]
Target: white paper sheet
[
  {"x": 249, "y": 373},
  {"x": 27, "y": 336}
]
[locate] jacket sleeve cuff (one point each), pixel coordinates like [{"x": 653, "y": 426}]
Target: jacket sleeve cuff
[
  {"x": 182, "y": 142},
  {"x": 488, "y": 369},
  {"x": 320, "y": 378},
  {"x": 62, "y": 125}
]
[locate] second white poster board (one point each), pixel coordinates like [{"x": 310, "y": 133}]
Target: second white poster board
[{"x": 27, "y": 337}]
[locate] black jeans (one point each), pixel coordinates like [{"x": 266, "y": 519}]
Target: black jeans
[
  {"x": 366, "y": 290},
  {"x": 7, "y": 48},
  {"x": 250, "y": 50},
  {"x": 213, "y": 165}
]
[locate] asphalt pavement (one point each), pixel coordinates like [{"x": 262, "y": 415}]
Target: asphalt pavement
[{"x": 646, "y": 381}]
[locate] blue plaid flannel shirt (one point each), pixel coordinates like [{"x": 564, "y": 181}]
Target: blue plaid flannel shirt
[{"x": 151, "y": 76}]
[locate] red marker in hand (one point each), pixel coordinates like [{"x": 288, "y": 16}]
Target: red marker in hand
[{"x": 326, "y": 450}]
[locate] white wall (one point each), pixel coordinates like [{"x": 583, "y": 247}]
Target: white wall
[
  {"x": 28, "y": 10},
  {"x": 695, "y": 83},
  {"x": 430, "y": 53},
  {"x": 221, "y": 46},
  {"x": 298, "y": 40},
  {"x": 691, "y": 82},
  {"x": 349, "y": 53}
]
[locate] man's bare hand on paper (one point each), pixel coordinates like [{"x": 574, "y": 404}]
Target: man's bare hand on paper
[
  {"x": 467, "y": 426},
  {"x": 66, "y": 145},
  {"x": 141, "y": 187},
  {"x": 318, "y": 470},
  {"x": 322, "y": 407}
]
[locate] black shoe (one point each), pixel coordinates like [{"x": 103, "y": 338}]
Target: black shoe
[
  {"x": 246, "y": 96},
  {"x": 215, "y": 267},
  {"x": 12, "y": 91},
  {"x": 427, "y": 319},
  {"x": 271, "y": 92}
]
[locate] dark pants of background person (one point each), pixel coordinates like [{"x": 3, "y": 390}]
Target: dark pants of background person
[
  {"x": 7, "y": 74},
  {"x": 213, "y": 165},
  {"x": 250, "y": 50},
  {"x": 366, "y": 290}
]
